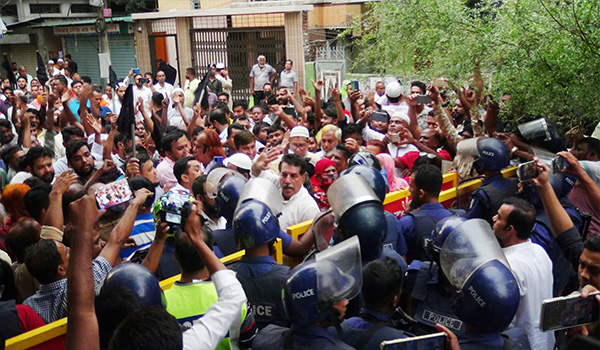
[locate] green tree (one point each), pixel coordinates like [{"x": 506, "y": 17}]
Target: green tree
[{"x": 544, "y": 53}]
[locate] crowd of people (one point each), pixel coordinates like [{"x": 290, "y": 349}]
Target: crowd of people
[{"x": 211, "y": 176}]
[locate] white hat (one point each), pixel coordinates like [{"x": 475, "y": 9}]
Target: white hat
[
  {"x": 177, "y": 90},
  {"x": 60, "y": 60},
  {"x": 50, "y": 62},
  {"x": 402, "y": 116},
  {"x": 239, "y": 160},
  {"x": 299, "y": 131},
  {"x": 393, "y": 90},
  {"x": 220, "y": 65}
]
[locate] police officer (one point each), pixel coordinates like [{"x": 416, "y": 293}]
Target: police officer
[
  {"x": 486, "y": 294},
  {"x": 393, "y": 244},
  {"x": 315, "y": 295},
  {"x": 228, "y": 194},
  {"x": 428, "y": 293},
  {"x": 424, "y": 186},
  {"x": 487, "y": 199},
  {"x": 382, "y": 281},
  {"x": 256, "y": 228}
]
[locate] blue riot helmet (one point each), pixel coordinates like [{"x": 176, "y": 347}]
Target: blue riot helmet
[
  {"x": 140, "y": 280},
  {"x": 358, "y": 212},
  {"x": 374, "y": 178},
  {"x": 364, "y": 158},
  {"x": 254, "y": 225},
  {"x": 215, "y": 177},
  {"x": 313, "y": 288},
  {"x": 228, "y": 194},
  {"x": 169, "y": 209},
  {"x": 473, "y": 263},
  {"x": 493, "y": 154},
  {"x": 562, "y": 184},
  {"x": 439, "y": 234}
]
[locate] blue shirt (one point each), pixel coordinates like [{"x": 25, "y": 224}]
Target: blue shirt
[
  {"x": 481, "y": 340},
  {"x": 406, "y": 224}
]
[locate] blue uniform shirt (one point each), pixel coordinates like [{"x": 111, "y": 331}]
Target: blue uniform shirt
[
  {"x": 255, "y": 266},
  {"x": 480, "y": 202},
  {"x": 406, "y": 224},
  {"x": 354, "y": 328}
]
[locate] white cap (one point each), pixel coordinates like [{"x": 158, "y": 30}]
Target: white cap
[
  {"x": 60, "y": 60},
  {"x": 299, "y": 131},
  {"x": 50, "y": 62},
  {"x": 393, "y": 90},
  {"x": 177, "y": 90},
  {"x": 402, "y": 116},
  {"x": 220, "y": 65},
  {"x": 239, "y": 160}
]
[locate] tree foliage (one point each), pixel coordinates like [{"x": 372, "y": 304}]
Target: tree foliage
[{"x": 544, "y": 53}]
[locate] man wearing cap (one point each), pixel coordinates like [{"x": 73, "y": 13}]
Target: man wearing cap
[
  {"x": 260, "y": 74},
  {"x": 239, "y": 162},
  {"x": 395, "y": 99},
  {"x": 52, "y": 71},
  {"x": 288, "y": 78},
  {"x": 299, "y": 145},
  {"x": 397, "y": 127},
  {"x": 179, "y": 114},
  {"x": 223, "y": 76},
  {"x": 162, "y": 86}
]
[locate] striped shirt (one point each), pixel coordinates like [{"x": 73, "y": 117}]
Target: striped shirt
[{"x": 143, "y": 233}]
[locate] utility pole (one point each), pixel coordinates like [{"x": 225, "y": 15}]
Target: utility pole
[{"x": 103, "y": 46}]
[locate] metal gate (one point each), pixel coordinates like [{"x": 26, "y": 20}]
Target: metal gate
[{"x": 238, "y": 50}]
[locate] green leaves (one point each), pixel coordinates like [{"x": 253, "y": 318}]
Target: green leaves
[{"x": 544, "y": 53}]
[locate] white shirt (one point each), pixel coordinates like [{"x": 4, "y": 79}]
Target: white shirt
[
  {"x": 393, "y": 108},
  {"x": 533, "y": 270},
  {"x": 174, "y": 117},
  {"x": 299, "y": 208},
  {"x": 221, "y": 223},
  {"x": 223, "y": 135},
  {"x": 146, "y": 94},
  {"x": 369, "y": 134},
  {"x": 208, "y": 331},
  {"x": 166, "y": 90}
]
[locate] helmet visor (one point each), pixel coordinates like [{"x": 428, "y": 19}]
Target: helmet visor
[
  {"x": 467, "y": 247},
  {"x": 264, "y": 191},
  {"x": 345, "y": 281},
  {"x": 215, "y": 177},
  {"x": 348, "y": 191}
]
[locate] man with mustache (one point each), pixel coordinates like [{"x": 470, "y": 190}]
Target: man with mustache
[{"x": 298, "y": 204}]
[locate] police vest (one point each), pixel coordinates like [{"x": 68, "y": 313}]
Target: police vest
[
  {"x": 561, "y": 268},
  {"x": 477, "y": 346},
  {"x": 264, "y": 295},
  {"x": 432, "y": 306},
  {"x": 497, "y": 196},
  {"x": 424, "y": 224},
  {"x": 189, "y": 302}
]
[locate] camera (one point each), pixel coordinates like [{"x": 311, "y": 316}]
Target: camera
[{"x": 144, "y": 80}]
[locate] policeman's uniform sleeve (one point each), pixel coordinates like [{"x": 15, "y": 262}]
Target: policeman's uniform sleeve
[
  {"x": 478, "y": 206},
  {"x": 207, "y": 332},
  {"x": 286, "y": 240}
]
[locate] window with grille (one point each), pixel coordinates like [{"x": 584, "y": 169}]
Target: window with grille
[{"x": 44, "y": 8}]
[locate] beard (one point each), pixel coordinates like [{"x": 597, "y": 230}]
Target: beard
[{"x": 86, "y": 170}]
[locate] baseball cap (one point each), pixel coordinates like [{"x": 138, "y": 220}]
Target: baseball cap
[
  {"x": 220, "y": 65},
  {"x": 393, "y": 90},
  {"x": 239, "y": 160}
]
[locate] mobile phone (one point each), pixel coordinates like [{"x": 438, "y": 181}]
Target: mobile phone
[
  {"x": 355, "y": 85},
  {"x": 527, "y": 171},
  {"x": 112, "y": 194},
  {"x": 423, "y": 99},
  {"x": 435, "y": 341},
  {"x": 379, "y": 117},
  {"x": 570, "y": 311},
  {"x": 558, "y": 164},
  {"x": 136, "y": 71}
]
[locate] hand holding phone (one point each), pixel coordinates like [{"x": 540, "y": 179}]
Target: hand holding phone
[
  {"x": 570, "y": 311},
  {"x": 527, "y": 171},
  {"x": 112, "y": 194}
]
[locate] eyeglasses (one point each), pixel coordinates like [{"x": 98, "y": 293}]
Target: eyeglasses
[{"x": 298, "y": 146}]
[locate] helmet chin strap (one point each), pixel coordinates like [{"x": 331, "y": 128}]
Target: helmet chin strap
[{"x": 334, "y": 317}]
